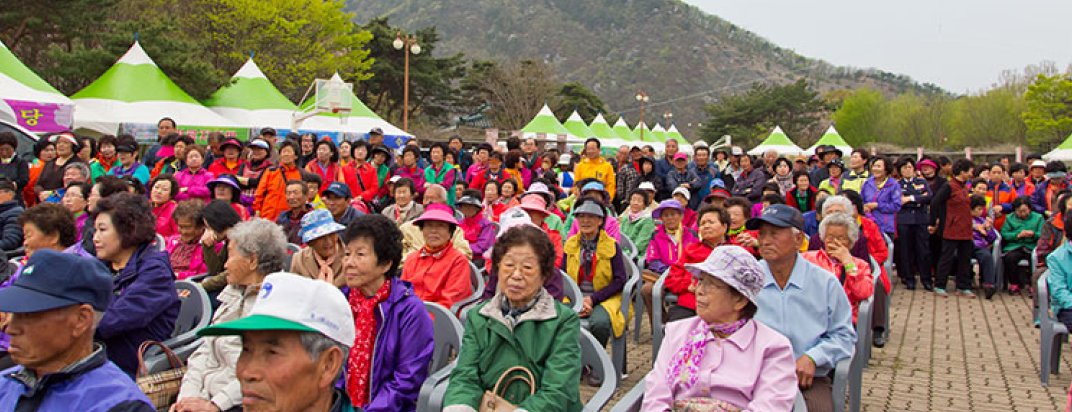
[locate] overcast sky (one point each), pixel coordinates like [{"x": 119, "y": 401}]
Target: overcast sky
[{"x": 960, "y": 45}]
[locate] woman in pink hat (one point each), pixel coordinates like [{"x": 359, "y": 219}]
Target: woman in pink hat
[
  {"x": 439, "y": 272},
  {"x": 536, "y": 206}
]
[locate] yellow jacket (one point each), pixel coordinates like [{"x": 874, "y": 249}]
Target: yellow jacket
[
  {"x": 600, "y": 169},
  {"x": 605, "y": 250}
]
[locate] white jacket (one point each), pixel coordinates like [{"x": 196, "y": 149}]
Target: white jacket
[{"x": 210, "y": 370}]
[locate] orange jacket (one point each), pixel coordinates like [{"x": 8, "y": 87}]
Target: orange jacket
[{"x": 271, "y": 197}]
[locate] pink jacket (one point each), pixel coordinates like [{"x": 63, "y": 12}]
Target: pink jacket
[
  {"x": 858, "y": 287},
  {"x": 753, "y": 369},
  {"x": 165, "y": 226},
  {"x": 197, "y": 264},
  {"x": 662, "y": 252},
  {"x": 196, "y": 185}
]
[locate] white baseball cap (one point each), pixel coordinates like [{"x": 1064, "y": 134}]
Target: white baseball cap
[
  {"x": 290, "y": 302},
  {"x": 646, "y": 186},
  {"x": 684, "y": 192}
]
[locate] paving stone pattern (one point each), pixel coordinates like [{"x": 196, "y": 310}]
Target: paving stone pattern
[{"x": 944, "y": 354}]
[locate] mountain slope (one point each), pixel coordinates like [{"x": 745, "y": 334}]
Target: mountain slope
[{"x": 681, "y": 56}]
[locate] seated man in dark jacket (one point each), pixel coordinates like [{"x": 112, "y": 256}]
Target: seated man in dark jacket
[
  {"x": 10, "y": 230},
  {"x": 54, "y": 307}
]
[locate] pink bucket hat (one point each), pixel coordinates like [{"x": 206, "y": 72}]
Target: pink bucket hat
[
  {"x": 534, "y": 203},
  {"x": 437, "y": 213}
]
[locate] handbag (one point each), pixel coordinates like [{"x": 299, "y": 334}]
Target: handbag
[
  {"x": 493, "y": 401},
  {"x": 162, "y": 388}
]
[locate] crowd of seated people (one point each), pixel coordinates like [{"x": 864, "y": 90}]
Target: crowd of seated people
[{"x": 769, "y": 258}]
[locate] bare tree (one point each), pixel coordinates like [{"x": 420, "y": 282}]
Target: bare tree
[{"x": 517, "y": 91}]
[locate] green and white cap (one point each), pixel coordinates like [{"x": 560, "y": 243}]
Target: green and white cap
[{"x": 290, "y": 302}]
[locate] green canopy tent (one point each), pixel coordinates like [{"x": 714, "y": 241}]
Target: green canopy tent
[
  {"x": 831, "y": 137},
  {"x": 673, "y": 134},
  {"x": 546, "y": 123},
  {"x": 28, "y": 100},
  {"x": 778, "y": 142},
  {"x": 252, "y": 101},
  {"x": 1062, "y": 153},
  {"x": 621, "y": 129},
  {"x": 135, "y": 91}
]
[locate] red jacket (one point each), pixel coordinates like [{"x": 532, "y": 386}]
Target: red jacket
[
  {"x": 679, "y": 279},
  {"x": 858, "y": 287},
  {"x": 441, "y": 277},
  {"x": 362, "y": 181},
  {"x": 219, "y": 167},
  {"x": 876, "y": 247}
]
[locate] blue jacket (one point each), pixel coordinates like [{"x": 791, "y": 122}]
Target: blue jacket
[
  {"x": 402, "y": 350},
  {"x": 10, "y": 229},
  {"x": 1038, "y": 199},
  {"x": 91, "y": 385},
  {"x": 144, "y": 308},
  {"x": 915, "y": 212},
  {"x": 889, "y": 202},
  {"x": 1060, "y": 278}
]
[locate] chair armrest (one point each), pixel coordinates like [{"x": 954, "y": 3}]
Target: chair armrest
[
  {"x": 841, "y": 383},
  {"x": 426, "y": 397},
  {"x": 632, "y": 400}
]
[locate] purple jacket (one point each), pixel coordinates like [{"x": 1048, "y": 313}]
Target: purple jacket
[
  {"x": 196, "y": 185},
  {"x": 417, "y": 175},
  {"x": 889, "y": 202},
  {"x": 402, "y": 350},
  {"x": 978, "y": 239},
  {"x": 144, "y": 308},
  {"x": 1039, "y": 200}
]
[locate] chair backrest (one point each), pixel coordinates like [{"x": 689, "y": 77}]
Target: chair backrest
[
  {"x": 628, "y": 247},
  {"x": 1043, "y": 291},
  {"x": 476, "y": 280},
  {"x": 292, "y": 249},
  {"x": 572, "y": 291},
  {"x": 196, "y": 310},
  {"x": 159, "y": 243},
  {"x": 448, "y": 335},
  {"x": 594, "y": 356}
]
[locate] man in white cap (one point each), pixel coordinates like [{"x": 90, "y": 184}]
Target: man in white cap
[{"x": 294, "y": 344}]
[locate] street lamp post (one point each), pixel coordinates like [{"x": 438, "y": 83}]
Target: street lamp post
[
  {"x": 409, "y": 44},
  {"x": 668, "y": 118},
  {"x": 642, "y": 98}
]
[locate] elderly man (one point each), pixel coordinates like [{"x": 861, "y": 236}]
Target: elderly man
[
  {"x": 628, "y": 177},
  {"x": 803, "y": 302},
  {"x": 594, "y": 166},
  {"x": 297, "y": 194},
  {"x": 73, "y": 172},
  {"x": 413, "y": 238},
  {"x": 294, "y": 344},
  {"x": 52, "y": 310},
  {"x": 337, "y": 198},
  {"x": 826, "y": 154}
]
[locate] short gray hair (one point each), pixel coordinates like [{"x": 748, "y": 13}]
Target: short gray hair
[
  {"x": 840, "y": 219},
  {"x": 839, "y": 200},
  {"x": 315, "y": 343},
  {"x": 82, "y": 168},
  {"x": 436, "y": 188},
  {"x": 263, "y": 239}
]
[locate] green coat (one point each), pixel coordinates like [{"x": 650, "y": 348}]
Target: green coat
[
  {"x": 545, "y": 340},
  {"x": 640, "y": 231},
  {"x": 1014, "y": 225}
]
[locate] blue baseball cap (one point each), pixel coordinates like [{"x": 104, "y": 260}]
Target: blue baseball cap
[
  {"x": 53, "y": 279},
  {"x": 339, "y": 189},
  {"x": 778, "y": 215}
]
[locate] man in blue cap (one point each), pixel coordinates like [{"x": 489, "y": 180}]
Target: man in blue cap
[
  {"x": 803, "y": 302},
  {"x": 55, "y": 306},
  {"x": 337, "y": 199}
]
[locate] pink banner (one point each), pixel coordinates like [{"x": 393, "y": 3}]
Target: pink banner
[{"x": 42, "y": 117}]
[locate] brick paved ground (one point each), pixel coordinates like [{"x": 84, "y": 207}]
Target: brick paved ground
[{"x": 949, "y": 354}]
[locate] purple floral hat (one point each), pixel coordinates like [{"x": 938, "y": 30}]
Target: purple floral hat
[{"x": 735, "y": 266}]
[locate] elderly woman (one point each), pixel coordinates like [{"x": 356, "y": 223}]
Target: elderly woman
[
  {"x": 713, "y": 224},
  {"x": 73, "y": 172},
  {"x": 478, "y": 230},
  {"x": 44, "y": 151},
  {"x": 439, "y": 272},
  {"x": 595, "y": 189},
  {"x": 667, "y": 245},
  {"x": 882, "y": 196},
  {"x": 326, "y": 163},
  {"x": 722, "y": 359},
  {"x": 127, "y": 152},
  {"x": 322, "y": 258},
  {"x": 76, "y": 200},
  {"x": 49, "y": 226},
  {"x": 596, "y": 262},
  {"x": 146, "y": 304},
  {"x": 162, "y": 192},
  {"x": 230, "y": 163},
  {"x": 256, "y": 249},
  {"x": 1019, "y": 236},
  {"x": 522, "y": 325},
  {"x": 193, "y": 180},
  {"x": 636, "y": 222},
  {"x": 839, "y": 233},
  {"x": 406, "y": 207},
  {"x": 51, "y": 177},
  {"x": 271, "y": 197},
  {"x": 184, "y": 249},
  {"x": 388, "y": 362},
  {"x": 226, "y": 188},
  {"x": 783, "y": 175}
]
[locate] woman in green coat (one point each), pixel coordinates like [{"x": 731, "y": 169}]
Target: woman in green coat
[
  {"x": 636, "y": 222},
  {"x": 522, "y": 325},
  {"x": 1019, "y": 236}
]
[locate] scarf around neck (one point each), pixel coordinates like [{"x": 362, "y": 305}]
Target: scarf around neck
[
  {"x": 359, "y": 365},
  {"x": 512, "y": 314},
  {"x": 685, "y": 365}
]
